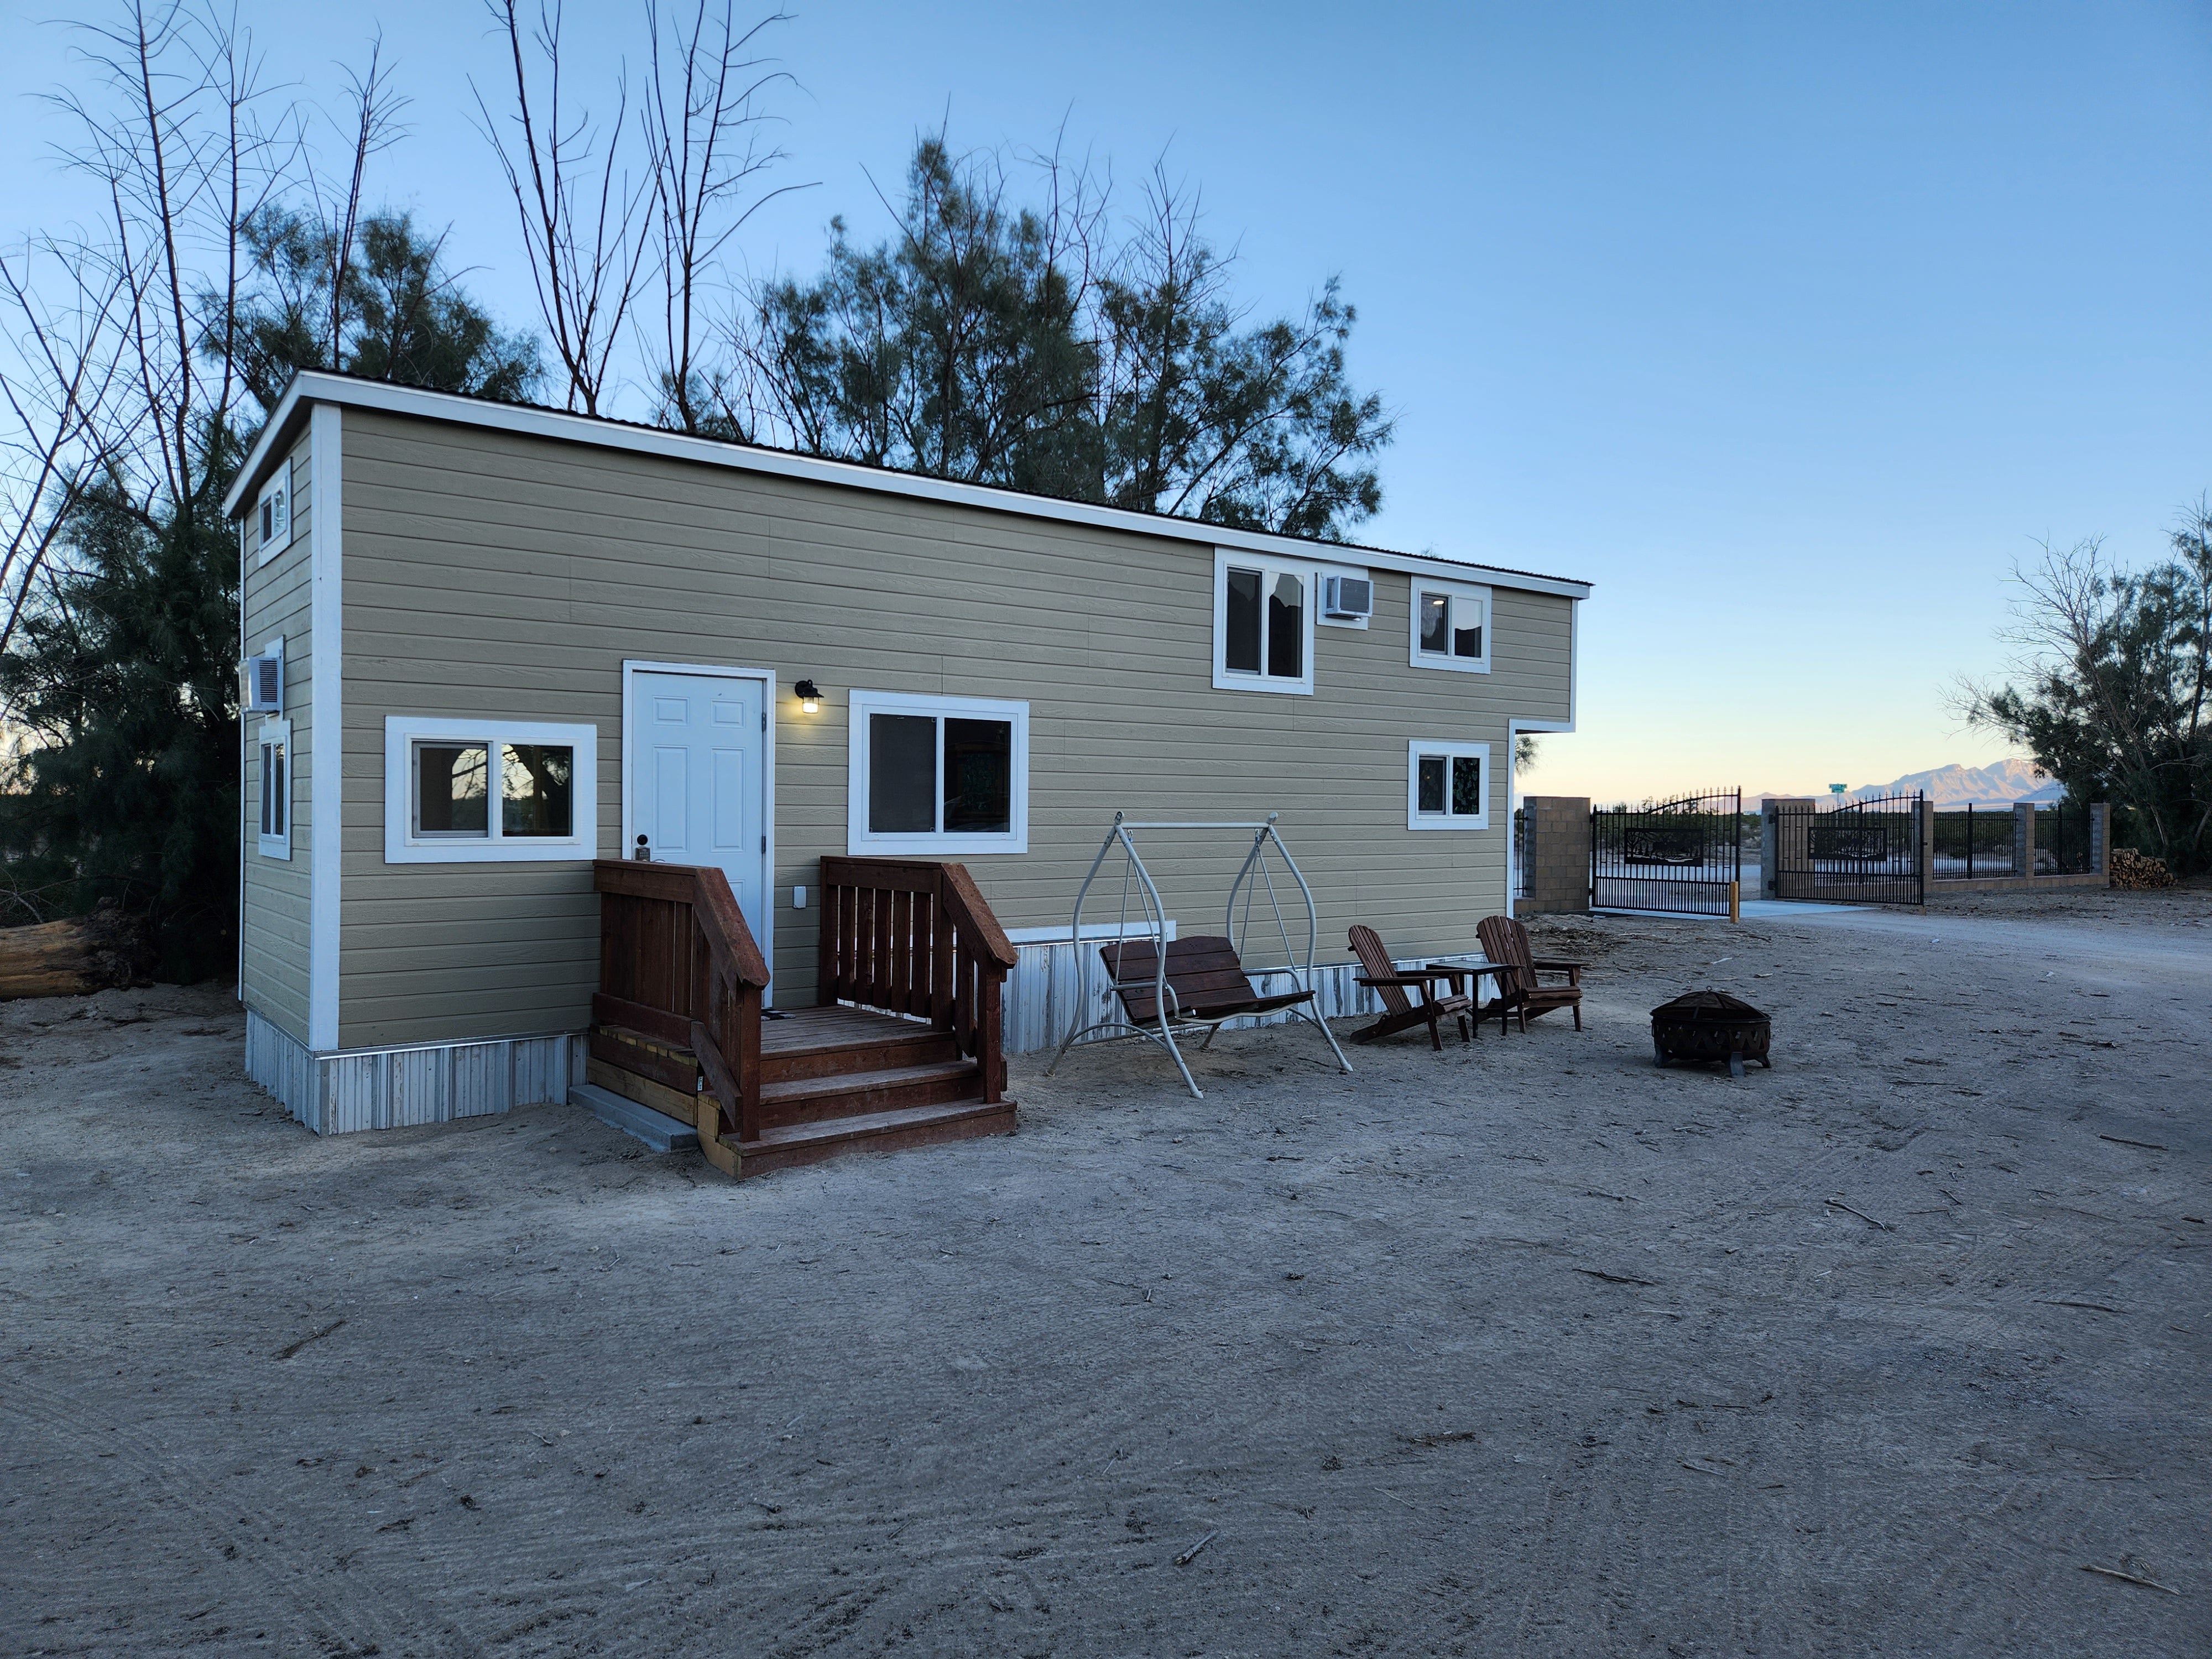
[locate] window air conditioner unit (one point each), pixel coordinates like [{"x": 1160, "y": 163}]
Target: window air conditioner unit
[
  {"x": 265, "y": 685},
  {"x": 1348, "y": 597}
]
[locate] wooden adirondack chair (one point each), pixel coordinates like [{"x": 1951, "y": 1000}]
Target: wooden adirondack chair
[
  {"x": 1400, "y": 1013},
  {"x": 1522, "y": 994}
]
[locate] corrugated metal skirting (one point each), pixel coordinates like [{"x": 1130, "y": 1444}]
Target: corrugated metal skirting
[
  {"x": 1041, "y": 993},
  {"x": 399, "y": 1088},
  {"x": 279, "y": 1064}
]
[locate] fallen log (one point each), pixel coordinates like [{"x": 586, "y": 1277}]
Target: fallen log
[{"x": 73, "y": 957}]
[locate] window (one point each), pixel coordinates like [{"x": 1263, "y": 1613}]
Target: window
[
  {"x": 1263, "y": 623},
  {"x": 272, "y": 513},
  {"x": 1447, "y": 786},
  {"x": 472, "y": 791},
  {"x": 275, "y": 789},
  {"x": 938, "y": 774},
  {"x": 1451, "y": 626}
]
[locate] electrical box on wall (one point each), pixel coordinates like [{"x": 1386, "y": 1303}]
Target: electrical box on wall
[{"x": 263, "y": 689}]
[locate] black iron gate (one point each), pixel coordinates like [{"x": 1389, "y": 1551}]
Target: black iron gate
[
  {"x": 1865, "y": 852},
  {"x": 1684, "y": 855}
]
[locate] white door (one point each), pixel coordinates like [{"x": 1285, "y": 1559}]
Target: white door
[{"x": 698, "y": 752}]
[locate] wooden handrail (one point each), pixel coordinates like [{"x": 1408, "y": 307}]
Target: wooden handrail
[
  {"x": 689, "y": 883},
  {"x": 916, "y": 936},
  {"x": 677, "y": 963}
]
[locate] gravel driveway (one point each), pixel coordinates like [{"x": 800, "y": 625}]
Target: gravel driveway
[{"x": 1526, "y": 1347}]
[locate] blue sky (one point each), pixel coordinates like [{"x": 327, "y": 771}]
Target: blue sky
[{"x": 1791, "y": 328}]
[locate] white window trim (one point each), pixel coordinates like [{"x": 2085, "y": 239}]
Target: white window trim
[
  {"x": 274, "y": 730},
  {"x": 1306, "y": 573},
  {"x": 859, "y": 839},
  {"x": 1416, "y": 819},
  {"x": 1458, "y": 591},
  {"x": 280, "y": 481},
  {"x": 403, "y": 732}
]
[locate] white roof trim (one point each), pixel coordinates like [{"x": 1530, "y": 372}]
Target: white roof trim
[{"x": 310, "y": 386}]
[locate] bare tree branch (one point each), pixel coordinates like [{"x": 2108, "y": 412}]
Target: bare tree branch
[
  {"x": 587, "y": 251},
  {"x": 51, "y": 447},
  {"x": 702, "y": 127},
  {"x": 376, "y": 109}
]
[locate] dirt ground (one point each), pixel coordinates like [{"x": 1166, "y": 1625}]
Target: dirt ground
[{"x": 1527, "y": 1348}]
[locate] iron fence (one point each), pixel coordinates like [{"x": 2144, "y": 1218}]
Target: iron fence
[
  {"x": 1865, "y": 852},
  {"x": 1972, "y": 842},
  {"x": 1520, "y": 852},
  {"x": 1685, "y": 854},
  {"x": 2063, "y": 838}
]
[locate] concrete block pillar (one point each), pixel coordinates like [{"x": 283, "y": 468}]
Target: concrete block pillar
[
  {"x": 1925, "y": 829},
  {"x": 2100, "y": 837},
  {"x": 1559, "y": 854},
  {"x": 1786, "y": 847},
  {"x": 2023, "y": 838}
]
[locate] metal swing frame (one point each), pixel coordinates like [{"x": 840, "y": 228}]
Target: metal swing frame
[{"x": 1251, "y": 877}]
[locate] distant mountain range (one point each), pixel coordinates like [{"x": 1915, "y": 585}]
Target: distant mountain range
[{"x": 2000, "y": 785}]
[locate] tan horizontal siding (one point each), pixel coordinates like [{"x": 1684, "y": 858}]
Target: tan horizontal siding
[
  {"x": 279, "y": 599},
  {"x": 491, "y": 574}
]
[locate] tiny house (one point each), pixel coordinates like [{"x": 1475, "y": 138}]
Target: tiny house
[{"x": 503, "y": 662}]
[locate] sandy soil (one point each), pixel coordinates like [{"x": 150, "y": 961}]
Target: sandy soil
[{"x": 1525, "y": 1348}]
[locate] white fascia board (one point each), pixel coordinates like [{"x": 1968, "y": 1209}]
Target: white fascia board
[
  {"x": 326, "y": 735},
  {"x": 1516, "y": 727},
  {"x": 423, "y": 405}
]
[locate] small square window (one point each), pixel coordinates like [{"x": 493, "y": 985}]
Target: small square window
[
  {"x": 901, "y": 774},
  {"x": 537, "y": 797},
  {"x": 979, "y": 764},
  {"x": 1451, "y": 626},
  {"x": 1467, "y": 786},
  {"x": 450, "y": 797},
  {"x": 1447, "y": 785},
  {"x": 1433, "y": 768}
]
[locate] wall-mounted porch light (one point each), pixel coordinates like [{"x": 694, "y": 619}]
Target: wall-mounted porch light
[{"x": 810, "y": 697}]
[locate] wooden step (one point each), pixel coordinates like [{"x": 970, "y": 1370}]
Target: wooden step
[
  {"x": 794, "y": 1144},
  {"x": 922, "y": 1045},
  {"x": 856, "y": 1094},
  {"x": 648, "y": 1056}
]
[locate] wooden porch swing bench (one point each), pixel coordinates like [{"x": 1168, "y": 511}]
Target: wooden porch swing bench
[
  {"x": 901, "y": 1048},
  {"x": 1166, "y": 985},
  {"x": 1205, "y": 981}
]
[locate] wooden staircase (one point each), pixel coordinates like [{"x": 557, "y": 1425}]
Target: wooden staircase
[{"x": 902, "y": 1050}]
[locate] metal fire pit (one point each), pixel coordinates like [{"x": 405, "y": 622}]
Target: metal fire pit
[{"x": 1711, "y": 1025}]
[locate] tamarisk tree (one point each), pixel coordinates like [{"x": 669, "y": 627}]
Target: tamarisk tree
[{"x": 2113, "y": 694}]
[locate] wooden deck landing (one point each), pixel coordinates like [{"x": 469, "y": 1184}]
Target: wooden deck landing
[{"x": 803, "y": 1030}]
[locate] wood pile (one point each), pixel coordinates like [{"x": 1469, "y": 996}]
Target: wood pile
[
  {"x": 73, "y": 957},
  {"x": 2138, "y": 870}
]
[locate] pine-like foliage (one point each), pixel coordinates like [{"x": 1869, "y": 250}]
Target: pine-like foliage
[
  {"x": 396, "y": 314},
  {"x": 2116, "y": 698},
  {"x": 126, "y": 678},
  {"x": 1010, "y": 344}
]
